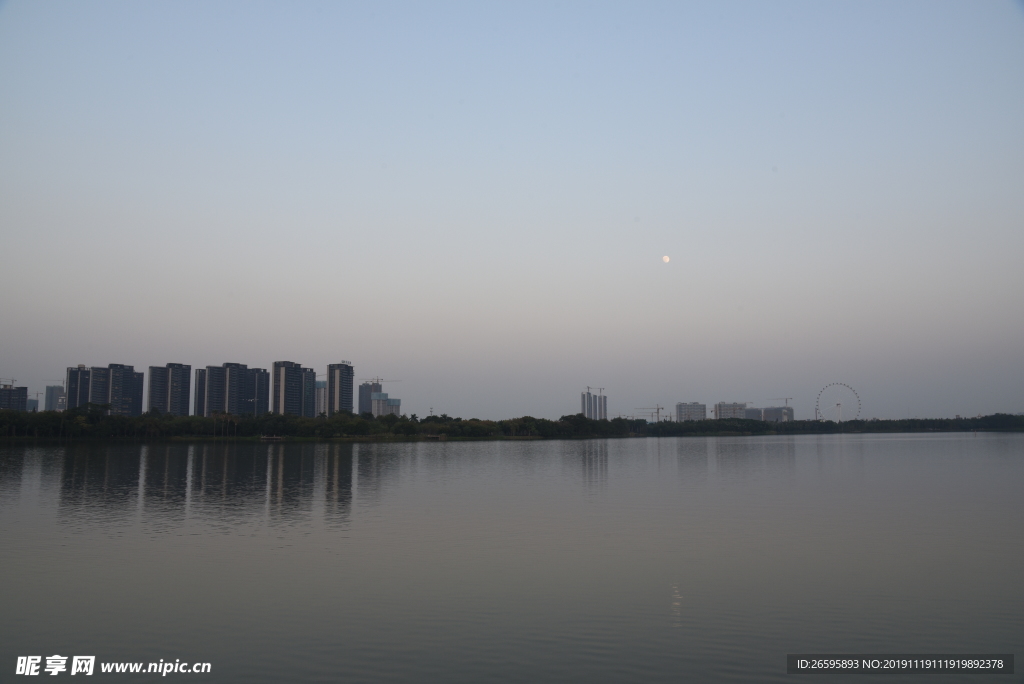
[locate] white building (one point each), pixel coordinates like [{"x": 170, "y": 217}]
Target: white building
[
  {"x": 725, "y": 409},
  {"x": 691, "y": 411}
]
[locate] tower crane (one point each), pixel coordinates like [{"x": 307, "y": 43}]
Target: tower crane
[{"x": 656, "y": 409}]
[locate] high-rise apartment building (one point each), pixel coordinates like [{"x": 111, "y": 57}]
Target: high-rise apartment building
[
  {"x": 321, "y": 397},
  {"x": 117, "y": 385},
  {"x": 339, "y": 387},
  {"x": 752, "y": 414},
  {"x": 294, "y": 389},
  {"x": 725, "y": 410},
  {"x": 13, "y": 398},
  {"x": 382, "y": 405},
  {"x": 778, "y": 414},
  {"x": 32, "y": 405},
  {"x": 261, "y": 390},
  {"x": 231, "y": 388},
  {"x": 691, "y": 411},
  {"x": 594, "y": 406},
  {"x": 124, "y": 389},
  {"x": 56, "y": 399},
  {"x": 366, "y": 392},
  {"x": 77, "y": 386},
  {"x": 169, "y": 388}
]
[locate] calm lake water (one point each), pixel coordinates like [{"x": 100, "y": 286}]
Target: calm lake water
[{"x": 657, "y": 560}]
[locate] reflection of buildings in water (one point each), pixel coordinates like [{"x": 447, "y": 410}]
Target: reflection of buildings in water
[
  {"x": 676, "y": 607},
  {"x": 227, "y": 481},
  {"x": 291, "y": 477},
  {"x": 591, "y": 457},
  {"x": 836, "y": 449},
  {"x": 338, "y": 495},
  {"x": 309, "y": 477},
  {"x": 692, "y": 456},
  {"x": 30, "y": 476},
  {"x": 104, "y": 478},
  {"x": 741, "y": 454},
  {"x": 376, "y": 466},
  {"x": 780, "y": 453}
]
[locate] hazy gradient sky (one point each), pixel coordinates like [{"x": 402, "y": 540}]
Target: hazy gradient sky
[{"x": 475, "y": 198}]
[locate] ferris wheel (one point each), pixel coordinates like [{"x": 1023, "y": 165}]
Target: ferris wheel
[{"x": 837, "y": 402}]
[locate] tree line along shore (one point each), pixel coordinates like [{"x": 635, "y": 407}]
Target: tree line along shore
[{"x": 90, "y": 422}]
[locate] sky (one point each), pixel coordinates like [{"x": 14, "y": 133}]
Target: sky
[{"x": 473, "y": 200}]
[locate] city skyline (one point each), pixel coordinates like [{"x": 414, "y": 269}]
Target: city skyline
[
  {"x": 235, "y": 388},
  {"x": 263, "y": 391},
  {"x": 478, "y": 200}
]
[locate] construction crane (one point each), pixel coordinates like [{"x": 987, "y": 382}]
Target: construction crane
[
  {"x": 378, "y": 380},
  {"x": 786, "y": 399},
  {"x": 599, "y": 389},
  {"x": 656, "y": 410}
]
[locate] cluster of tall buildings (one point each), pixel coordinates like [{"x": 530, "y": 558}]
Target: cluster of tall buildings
[
  {"x": 594, "y": 406},
  {"x": 118, "y": 385},
  {"x": 723, "y": 409},
  {"x": 374, "y": 400},
  {"x": 230, "y": 388}
]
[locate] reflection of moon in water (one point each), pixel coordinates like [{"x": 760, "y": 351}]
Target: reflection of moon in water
[{"x": 665, "y": 259}]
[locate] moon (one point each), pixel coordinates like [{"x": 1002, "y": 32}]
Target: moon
[{"x": 665, "y": 259}]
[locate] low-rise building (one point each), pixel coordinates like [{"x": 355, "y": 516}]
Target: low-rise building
[
  {"x": 778, "y": 414},
  {"x": 13, "y": 398},
  {"x": 693, "y": 410},
  {"x": 725, "y": 409},
  {"x": 382, "y": 405}
]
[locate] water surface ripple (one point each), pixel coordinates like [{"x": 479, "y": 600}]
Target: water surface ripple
[{"x": 658, "y": 560}]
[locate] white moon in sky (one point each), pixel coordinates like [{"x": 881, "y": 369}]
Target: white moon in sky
[{"x": 665, "y": 259}]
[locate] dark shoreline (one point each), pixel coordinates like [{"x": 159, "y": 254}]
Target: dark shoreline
[{"x": 92, "y": 425}]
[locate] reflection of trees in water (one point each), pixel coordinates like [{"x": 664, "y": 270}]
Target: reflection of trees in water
[
  {"x": 591, "y": 457},
  {"x": 220, "y": 480},
  {"x": 692, "y": 456}
]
